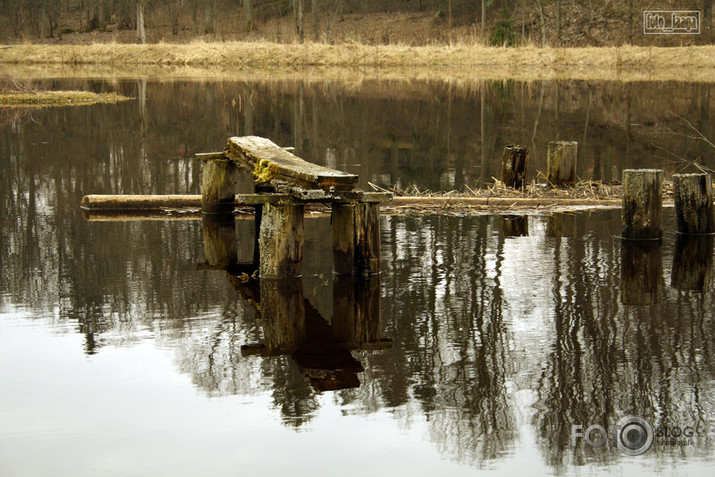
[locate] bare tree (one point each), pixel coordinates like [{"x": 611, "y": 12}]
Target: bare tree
[
  {"x": 141, "y": 32},
  {"x": 299, "y": 20},
  {"x": 248, "y": 22}
]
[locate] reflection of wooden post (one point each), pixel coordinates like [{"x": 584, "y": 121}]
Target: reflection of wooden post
[
  {"x": 356, "y": 310},
  {"x": 281, "y": 241},
  {"x": 561, "y": 224},
  {"x": 561, "y": 162},
  {"x": 515, "y": 225},
  {"x": 692, "y": 262},
  {"x": 220, "y": 244},
  {"x": 642, "y": 213},
  {"x": 694, "y": 203},
  {"x": 283, "y": 314},
  {"x": 356, "y": 238},
  {"x": 513, "y": 166},
  {"x": 641, "y": 272},
  {"x": 218, "y": 187}
]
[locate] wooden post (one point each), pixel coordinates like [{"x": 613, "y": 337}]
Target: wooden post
[
  {"x": 693, "y": 196},
  {"x": 367, "y": 238},
  {"x": 642, "y": 212},
  {"x": 513, "y": 166},
  {"x": 561, "y": 163},
  {"x": 641, "y": 272},
  {"x": 515, "y": 225},
  {"x": 343, "y": 222},
  {"x": 692, "y": 262},
  {"x": 219, "y": 185},
  {"x": 281, "y": 241},
  {"x": 356, "y": 238},
  {"x": 220, "y": 244}
]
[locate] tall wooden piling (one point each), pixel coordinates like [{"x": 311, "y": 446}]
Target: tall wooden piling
[
  {"x": 513, "y": 166},
  {"x": 693, "y": 196},
  {"x": 281, "y": 241},
  {"x": 561, "y": 163},
  {"x": 642, "y": 212},
  {"x": 218, "y": 186},
  {"x": 356, "y": 238}
]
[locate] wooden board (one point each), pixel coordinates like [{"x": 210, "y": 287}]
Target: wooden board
[{"x": 269, "y": 161}]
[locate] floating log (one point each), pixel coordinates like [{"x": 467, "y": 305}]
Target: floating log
[
  {"x": 513, "y": 166},
  {"x": 642, "y": 213},
  {"x": 281, "y": 241},
  {"x": 269, "y": 162},
  {"x": 220, "y": 243},
  {"x": 515, "y": 225},
  {"x": 693, "y": 197},
  {"x": 139, "y": 202},
  {"x": 561, "y": 163},
  {"x": 641, "y": 272},
  {"x": 218, "y": 187},
  {"x": 692, "y": 262}
]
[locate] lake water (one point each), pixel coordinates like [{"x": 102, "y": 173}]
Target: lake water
[{"x": 481, "y": 345}]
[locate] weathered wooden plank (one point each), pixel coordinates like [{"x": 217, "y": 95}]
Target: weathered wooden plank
[{"x": 270, "y": 161}]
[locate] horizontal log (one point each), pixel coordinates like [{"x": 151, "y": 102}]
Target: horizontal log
[
  {"x": 132, "y": 207},
  {"x": 139, "y": 202}
]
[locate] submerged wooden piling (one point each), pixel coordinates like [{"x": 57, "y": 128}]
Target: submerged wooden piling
[
  {"x": 693, "y": 196},
  {"x": 218, "y": 185},
  {"x": 515, "y": 225},
  {"x": 561, "y": 163},
  {"x": 513, "y": 166},
  {"x": 281, "y": 240},
  {"x": 356, "y": 238},
  {"x": 220, "y": 244},
  {"x": 693, "y": 262},
  {"x": 641, "y": 272},
  {"x": 642, "y": 212}
]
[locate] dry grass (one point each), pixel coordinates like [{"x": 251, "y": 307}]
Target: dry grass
[
  {"x": 57, "y": 98},
  {"x": 692, "y": 63}
]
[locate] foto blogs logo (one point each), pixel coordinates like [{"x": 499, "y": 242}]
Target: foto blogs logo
[{"x": 632, "y": 435}]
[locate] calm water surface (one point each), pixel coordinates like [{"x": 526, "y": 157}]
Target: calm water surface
[{"x": 484, "y": 340}]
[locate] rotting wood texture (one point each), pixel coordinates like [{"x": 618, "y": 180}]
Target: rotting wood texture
[{"x": 269, "y": 162}]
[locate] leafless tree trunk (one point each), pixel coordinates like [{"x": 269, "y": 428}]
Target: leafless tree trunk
[
  {"x": 248, "y": 22},
  {"x": 299, "y": 20},
  {"x": 707, "y": 26},
  {"x": 141, "y": 32},
  {"x": 314, "y": 19},
  {"x": 542, "y": 19},
  {"x": 558, "y": 22},
  {"x": 484, "y": 19}
]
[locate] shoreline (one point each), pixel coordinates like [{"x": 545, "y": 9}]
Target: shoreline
[{"x": 319, "y": 60}]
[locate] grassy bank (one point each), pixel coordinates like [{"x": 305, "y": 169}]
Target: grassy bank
[{"x": 692, "y": 63}]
